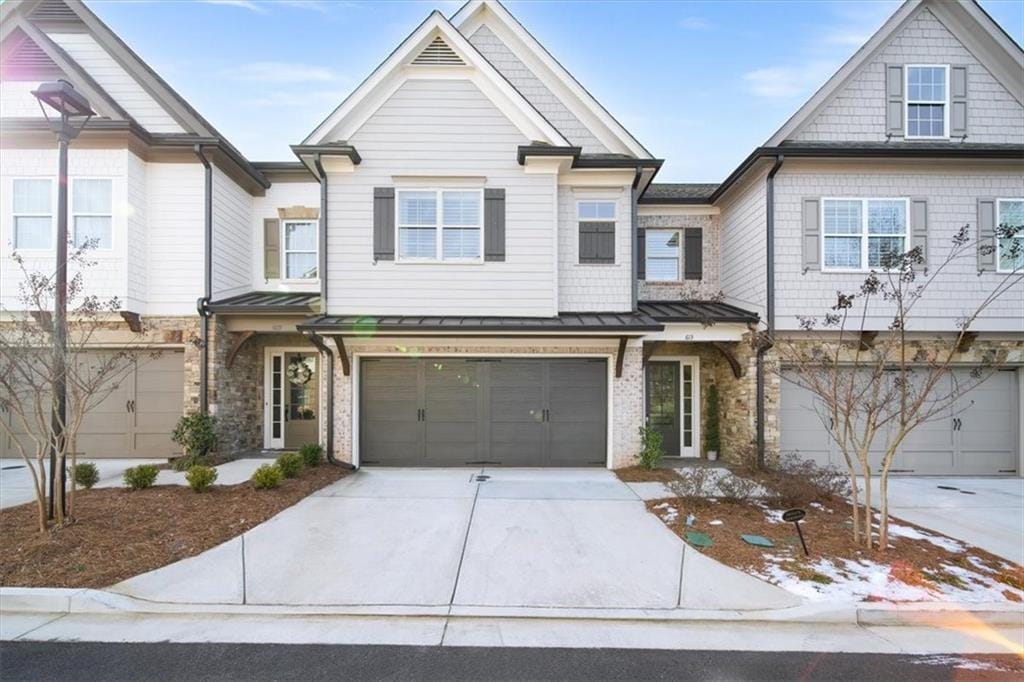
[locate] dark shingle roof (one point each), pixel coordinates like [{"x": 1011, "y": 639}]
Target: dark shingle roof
[{"x": 678, "y": 191}]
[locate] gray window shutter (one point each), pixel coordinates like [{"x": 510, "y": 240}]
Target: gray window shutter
[
  {"x": 693, "y": 252},
  {"x": 958, "y": 101},
  {"x": 986, "y": 234},
  {"x": 494, "y": 224},
  {"x": 641, "y": 253},
  {"x": 919, "y": 226},
  {"x": 384, "y": 223},
  {"x": 894, "y": 100},
  {"x": 597, "y": 242},
  {"x": 812, "y": 234},
  {"x": 271, "y": 248}
]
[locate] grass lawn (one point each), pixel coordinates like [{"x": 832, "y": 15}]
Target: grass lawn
[{"x": 119, "y": 533}]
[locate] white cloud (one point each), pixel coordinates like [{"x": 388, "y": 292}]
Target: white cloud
[
  {"x": 280, "y": 72},
  {"x": 250, "y": 5},
  {"x": 785, "y": 82},
  {"x": 694, "y": 23}
]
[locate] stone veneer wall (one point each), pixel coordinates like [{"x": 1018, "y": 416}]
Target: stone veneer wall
[
  {"x": 627, "y": 390},
  {"x": 708, "y": 286}
]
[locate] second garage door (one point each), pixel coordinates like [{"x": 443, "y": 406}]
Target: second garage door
[
  {"x": 472, "y": 411},
  {"x": 978, "y": 437}
]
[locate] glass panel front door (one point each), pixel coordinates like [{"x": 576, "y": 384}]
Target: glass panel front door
[
  {"x": 294, "y": 399},
  {"x": 663, "y": 403}
]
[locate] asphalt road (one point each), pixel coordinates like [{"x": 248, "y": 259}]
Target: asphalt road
[{"x": 97, "y": 661}]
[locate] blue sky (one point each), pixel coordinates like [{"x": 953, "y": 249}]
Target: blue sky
[{"x": 700, "y": 84}]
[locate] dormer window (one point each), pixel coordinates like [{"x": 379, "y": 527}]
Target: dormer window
[{"x": 927, "y": 101}]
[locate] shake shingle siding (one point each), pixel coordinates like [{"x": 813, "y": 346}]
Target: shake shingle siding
[
  {"x": 857, "y": 112},
  {"x": 534, "y": 90},
  {"x": 952, "y": 196}
]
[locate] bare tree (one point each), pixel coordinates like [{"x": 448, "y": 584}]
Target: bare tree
[
  {"x": 31, "y": 369},
  {"x": 875, "y": 387}
]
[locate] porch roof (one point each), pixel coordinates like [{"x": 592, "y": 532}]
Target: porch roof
[
  {"x": 615, "y": 324},
  {"x": 267, "y": 302},
  {"x": 705, "y": 312}
]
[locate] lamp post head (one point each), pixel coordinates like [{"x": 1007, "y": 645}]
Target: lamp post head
[{"x": 69, "y": 104}]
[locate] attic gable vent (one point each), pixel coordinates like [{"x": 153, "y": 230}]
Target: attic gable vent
[
  {"x": 28, "y": 62},
  {"x": 438, "y": 53},
  {"x": 53, "y": 10}
]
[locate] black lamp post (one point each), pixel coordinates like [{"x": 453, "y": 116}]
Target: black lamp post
[{"x": 72, "y": 113}]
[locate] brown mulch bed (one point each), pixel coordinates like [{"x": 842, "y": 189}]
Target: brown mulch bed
[
  {"x": 120, "y": 533},
  {"x": 828, "y": 531},
  {"x": 637, "y": 474}
]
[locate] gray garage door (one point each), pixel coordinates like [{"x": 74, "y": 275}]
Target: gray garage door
[
  {"x": 979, "y": 436},
  {"x": 135, "y": 418},
  {"x": 470, "y": 411}
]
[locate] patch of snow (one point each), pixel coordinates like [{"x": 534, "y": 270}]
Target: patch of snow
[
  {"x": 773, "y": 515},
  {"x": 716, "y": 522},
  {"x": 960, "y": 663},
  {"x": 940, "y": 541}
]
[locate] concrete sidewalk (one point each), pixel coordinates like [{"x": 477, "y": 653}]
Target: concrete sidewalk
[
  {"x": 507, "y": 538},
  {"x": 16, "y": 479}
]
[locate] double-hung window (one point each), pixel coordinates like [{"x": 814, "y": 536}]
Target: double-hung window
[
  {"x": 663, "y": 255},
  {"x": 299, "y": 253},
  {"x": 863, "y": 233},
  {"x": 927, "y": 101},
  {"x": 1010, "y": 234},
  {"x": 440, "y": 225},
  {"x": 596, "y": 231},
  {"x": 33, "y": 213},
  {"x": 92, "y": 212}
]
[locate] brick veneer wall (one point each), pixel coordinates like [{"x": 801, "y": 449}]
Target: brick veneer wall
[{"x": 708, "y": 286}]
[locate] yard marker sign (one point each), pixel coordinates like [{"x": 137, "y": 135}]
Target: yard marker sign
[{"x": 795, "y": 516}]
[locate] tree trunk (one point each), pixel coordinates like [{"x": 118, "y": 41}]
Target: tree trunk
[
  {"x": 41, "y": 495},
  {"x": 868, "y": 515},
  {"x": 855, "y": 499}
]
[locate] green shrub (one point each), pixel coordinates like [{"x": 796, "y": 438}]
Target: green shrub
[
  {"x": 142, "y": 476},
  {"x": 290, "y": 464},
  {"x": 196, "y": 433},
  {"x": 711, "y": 434},
  {"x": 651, "y": 450},
  {"x": 312, "y": 454},
  {"x": 187, "y": 462},
  {"x": 200, "y": 478},
  {"x": 86, "y": 474},
  {"x": 267, "y": 476}
]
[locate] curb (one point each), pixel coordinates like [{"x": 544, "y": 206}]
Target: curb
[{"x": 60, "y": 601}]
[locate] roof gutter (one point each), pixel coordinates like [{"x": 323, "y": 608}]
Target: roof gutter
[
  {"x": 202, "y": 305},
  {"x": 764, "y": 343}
]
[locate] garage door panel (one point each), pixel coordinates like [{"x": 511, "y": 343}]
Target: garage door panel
[{"x": 802, "y": 431}]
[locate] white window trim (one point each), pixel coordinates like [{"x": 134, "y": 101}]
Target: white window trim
[
  {"x": 52, "y": 214},
  {"x": 72, "y": 214},
  {"x": 614, "y": 220},
  {"x": 679, "y": 257},
  {"x": 863, "y": 235},
  {"x": 439, "y": 227},
  {"x": 285, "y": 279},
  {"x": 907, "y": 102},
  {"x": 1020, "y": 235}
]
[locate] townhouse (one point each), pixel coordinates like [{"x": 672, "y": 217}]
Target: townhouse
[{"x": 470, "y": 262}]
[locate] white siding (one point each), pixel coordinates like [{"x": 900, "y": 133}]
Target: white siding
[
  {"x": 232, "y": 252},
  {"x": 857, "y": 112},
  {"x": 17, "y": 101},
  {"x": 107, "y": 278},
  {"x": 436, "y": 128},
  {"x": 280, "y": 195},
  {"x": 743, "y": 246},
  {"x": 137, "y": 238},
  {"x": 534, "y": 90},
  {"x": 594, "y": 287},
  {"x": 174, "y": 209},
  {"x": 952, "y": 203},
  {"x": 121, "y": 86}
]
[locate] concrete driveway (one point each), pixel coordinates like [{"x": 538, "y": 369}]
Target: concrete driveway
[
  {"x": 466, "y": 538},
  {"x": 985, "y": 512}
]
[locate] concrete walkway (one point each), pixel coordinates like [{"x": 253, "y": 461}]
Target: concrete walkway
[
  {"x": 985, "y": 512},
  {"x": 441, "y": 540},
  {"x": 16, "y": 479}
]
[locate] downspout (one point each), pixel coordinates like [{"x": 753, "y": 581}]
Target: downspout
[
  {"x": 322, "y": 237},
  {"x": 202, "y": 305},
  {"x": 632, "y": 235},
  {"x": 318, "y": 341},
  {"x": 764, "y": 343}
]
